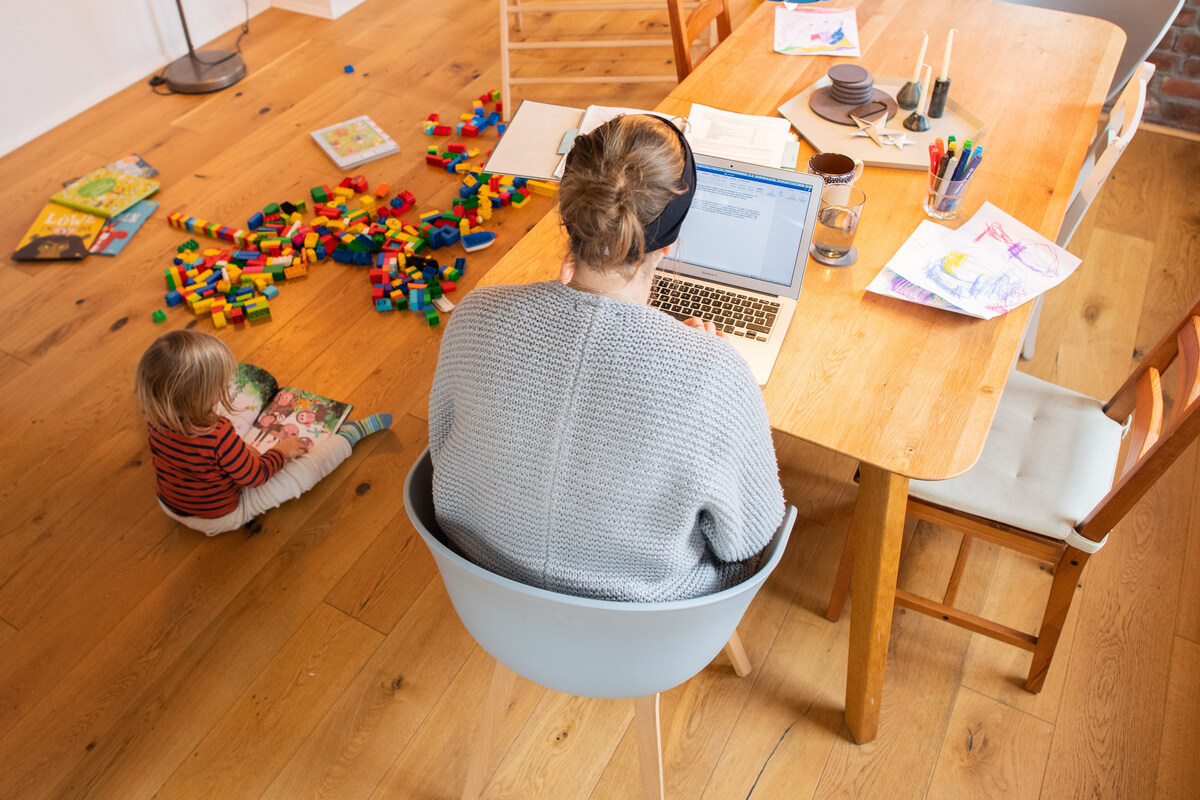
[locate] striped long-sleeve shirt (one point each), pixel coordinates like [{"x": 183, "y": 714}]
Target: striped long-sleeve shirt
[{"x": 203, "y": 476}]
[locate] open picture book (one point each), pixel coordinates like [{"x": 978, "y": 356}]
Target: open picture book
[{"x": 265, "y": 412}]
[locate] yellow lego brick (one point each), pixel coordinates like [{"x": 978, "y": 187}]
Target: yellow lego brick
[
  {"x": 223, "y": 287},
  {"x": 544, "y": 188},
  {"x": 219, "y": 321},
  {"x": 319, "y": 221},
  {"x": 233, "y": 273},
  {"x": 343, "y": 191}
]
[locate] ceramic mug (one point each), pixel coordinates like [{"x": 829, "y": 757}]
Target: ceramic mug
[{"x": 835, "y": 167}]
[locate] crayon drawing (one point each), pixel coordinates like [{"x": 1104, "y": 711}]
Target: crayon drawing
[
  {"x": 816, "y": 31},
  {"x": 989, "y": 266}
]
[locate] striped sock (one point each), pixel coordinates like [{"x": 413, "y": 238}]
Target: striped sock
[{"x": 355, "y": 429}]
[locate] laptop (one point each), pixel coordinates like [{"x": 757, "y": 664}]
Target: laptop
[{"x": 741, "y": 253}]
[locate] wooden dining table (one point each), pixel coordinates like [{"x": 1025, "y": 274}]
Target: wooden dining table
[{"x": 906, "y": 390}]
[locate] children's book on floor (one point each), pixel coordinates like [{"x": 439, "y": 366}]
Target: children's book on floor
[
  {"x": 121, "y": 228},
  {"x": 106, "y": 192},
  {"x": 59, "y": 234},
  {"x": 265, "y": 412},
  {"x": 355, "y": 141}
]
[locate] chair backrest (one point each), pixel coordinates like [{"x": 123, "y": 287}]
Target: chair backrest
[
  {"x": 591, "y": 648},
  {"x": 1145, "y": 22},
  {"x": 1107, "y": 147},
  {"x": 1155, "y": 440},
  {"x": 684, "y": 30}
]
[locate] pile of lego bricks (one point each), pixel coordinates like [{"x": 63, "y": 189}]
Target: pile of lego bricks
[{"x": 237, "y": 285}]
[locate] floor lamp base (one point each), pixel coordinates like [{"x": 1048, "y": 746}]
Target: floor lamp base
[{"x": 206, "y": 71}]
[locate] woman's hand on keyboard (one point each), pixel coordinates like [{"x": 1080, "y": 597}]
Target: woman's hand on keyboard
[{"x": 708, "y": 327}]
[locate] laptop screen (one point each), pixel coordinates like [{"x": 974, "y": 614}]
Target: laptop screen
[{"x": 746, "y": 224}]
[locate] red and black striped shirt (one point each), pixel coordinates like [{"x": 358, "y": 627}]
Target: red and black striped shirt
[{"x": 203, "y": 476}]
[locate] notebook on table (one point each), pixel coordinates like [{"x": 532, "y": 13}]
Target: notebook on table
[{"x": 741, "y": 253}]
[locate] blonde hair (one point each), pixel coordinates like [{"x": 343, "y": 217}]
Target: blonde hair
[
  {"x": 180, "y": 376},
  {"x": 618, "y": 179}
]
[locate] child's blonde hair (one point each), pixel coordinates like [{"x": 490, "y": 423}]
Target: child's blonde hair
[{"x": 179, "y": 378}]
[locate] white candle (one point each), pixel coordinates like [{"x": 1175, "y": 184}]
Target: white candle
[
  {"x": 946, "y": 61},
  {"x": 921, "y": 58},
  {"x": 926, "y": 78}
]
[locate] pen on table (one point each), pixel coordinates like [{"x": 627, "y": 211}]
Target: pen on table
[
  {"x": 933, "y": 159},
  {"x": 942, "y": 165},
  {"x": 941, "y": 146}
]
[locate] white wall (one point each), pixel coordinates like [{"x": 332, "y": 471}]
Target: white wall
[{"x": 60, "y": 57}]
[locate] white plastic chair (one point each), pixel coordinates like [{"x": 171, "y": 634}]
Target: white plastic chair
[
  {"x": 1145, "y": 22},
  {"x": 1102, "y": 156},
  {"x": 585, "y": 647}
]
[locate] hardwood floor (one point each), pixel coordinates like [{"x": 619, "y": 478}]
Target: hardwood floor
[{"x": 320, "y": 656}]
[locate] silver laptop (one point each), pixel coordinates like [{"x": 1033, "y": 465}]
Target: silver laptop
[{"x": 741, "y": 254}]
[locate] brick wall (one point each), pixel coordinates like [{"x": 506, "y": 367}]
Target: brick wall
[{"x": 1174, "y": 95}]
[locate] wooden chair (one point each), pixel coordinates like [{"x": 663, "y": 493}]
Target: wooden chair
[
  {"x": 1106, "y": 148},
  {"x": 1044, "y": 485},
  {"x": 581, "y": 646},
  {"x": 684, "y": 32}
]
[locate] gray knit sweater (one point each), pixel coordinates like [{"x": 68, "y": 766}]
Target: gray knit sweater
[{"x": 599, "y": 448}]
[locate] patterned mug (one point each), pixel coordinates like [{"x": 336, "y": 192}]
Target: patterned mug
[{"x": 835, "y": 168}]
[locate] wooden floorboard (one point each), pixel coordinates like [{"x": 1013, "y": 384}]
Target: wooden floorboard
[{"x": 320, "y": 657}]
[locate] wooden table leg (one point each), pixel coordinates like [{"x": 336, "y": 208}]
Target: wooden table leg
[{"x": 878, "y": 528}]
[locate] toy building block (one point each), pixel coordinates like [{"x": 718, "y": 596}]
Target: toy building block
[
  {"x": 442, "y": 130},
  {"x": 261, "y": 312},
  {"x": 384, "y": 304},
  {"x": 478, "y": 241},
  {"x": 431, "y": 316},
  {"x": 545, "y": 188},
  {"x": 348, "y": 69},
  {"x": 159, "y": 316},
  {"x": 237, "y": 315},
  {"x": 381, "y": 191}
]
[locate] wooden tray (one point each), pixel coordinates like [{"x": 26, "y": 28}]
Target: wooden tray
[{"x": 829, "y": 137}]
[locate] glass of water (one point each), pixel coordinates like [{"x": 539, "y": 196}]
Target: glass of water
[{"x": 837, "y": 223}]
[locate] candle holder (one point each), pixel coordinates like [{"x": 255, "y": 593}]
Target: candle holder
[
  {"x": 917, "y": 121},
  {"x": 909, "y": 96},
  {"x": 938, "y": 97}
]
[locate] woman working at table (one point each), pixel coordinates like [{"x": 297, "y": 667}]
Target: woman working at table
[{"x": 583, "y": 442}]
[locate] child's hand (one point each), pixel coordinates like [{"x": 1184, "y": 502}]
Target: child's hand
[{"x": 292, "y": 446}]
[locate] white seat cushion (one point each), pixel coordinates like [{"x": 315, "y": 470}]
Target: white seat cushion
[{"x": 1049, "y": 459}]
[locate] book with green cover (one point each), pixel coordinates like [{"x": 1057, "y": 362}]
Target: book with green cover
[{"x": 105, "y": 192}]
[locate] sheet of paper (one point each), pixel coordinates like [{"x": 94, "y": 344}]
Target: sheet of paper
[
  {"x": 988, "y": 267},
  {"x": 739, "y": 137},
  {"x": 816, "y": 31},
  {"x": 529, "y": 146}
]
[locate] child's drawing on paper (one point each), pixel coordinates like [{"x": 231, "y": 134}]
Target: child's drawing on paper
[
  {"x": 958, "y": 276},
  {"x": 989, "y": 266},
  {"x": 816, "y": 31},
  {"x": 1038, "y": 256}
]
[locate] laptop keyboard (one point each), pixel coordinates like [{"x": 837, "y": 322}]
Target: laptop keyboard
[{"x": 731, "y": 311}]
